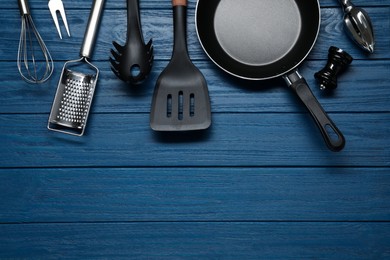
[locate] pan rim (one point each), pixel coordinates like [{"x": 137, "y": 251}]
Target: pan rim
[{"x": 259, "y": 78}]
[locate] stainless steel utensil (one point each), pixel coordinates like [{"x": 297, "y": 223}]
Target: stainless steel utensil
[
  {"x": 358, "y": 25},
  {"x": 77, "y": 84},
  {"x": 57, "y": 6},
  {"x": 34, "y": 61}
]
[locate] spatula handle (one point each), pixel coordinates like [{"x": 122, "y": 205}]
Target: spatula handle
[
  {"x": 180, "y": 29},
  {"x": 179, "y": 2}
]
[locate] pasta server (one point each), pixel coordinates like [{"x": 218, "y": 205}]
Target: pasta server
[{"x": 132, "y": 62}]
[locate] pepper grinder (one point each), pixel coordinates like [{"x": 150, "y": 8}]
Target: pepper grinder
[
  {"x": 358, "y": 25},
  {"x": 338, "y": 61}
]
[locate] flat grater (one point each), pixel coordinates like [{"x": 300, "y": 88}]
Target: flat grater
[{"x": 75, "y": 91}]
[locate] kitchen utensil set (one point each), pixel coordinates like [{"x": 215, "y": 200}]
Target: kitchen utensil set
[{"x": 241, "y": 38}]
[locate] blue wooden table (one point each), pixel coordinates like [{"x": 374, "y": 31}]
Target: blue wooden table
[{"x": 259, "y": 184}]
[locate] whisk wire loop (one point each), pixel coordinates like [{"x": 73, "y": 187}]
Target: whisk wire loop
[{"x": 30, "y": 41}]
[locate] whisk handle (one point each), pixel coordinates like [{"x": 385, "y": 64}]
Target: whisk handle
[
  {"x": 23, "y": 7},
  {"x": 92, "y": 29}
]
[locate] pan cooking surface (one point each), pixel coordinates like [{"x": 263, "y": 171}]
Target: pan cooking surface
[
  {"x": 257, "y": 32},
  {"x": 257, "y": 39}
]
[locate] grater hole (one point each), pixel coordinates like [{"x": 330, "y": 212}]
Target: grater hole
[{"x": 75, "y": 101}]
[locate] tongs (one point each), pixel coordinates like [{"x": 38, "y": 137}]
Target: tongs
[{"x": 358, "y": 25}]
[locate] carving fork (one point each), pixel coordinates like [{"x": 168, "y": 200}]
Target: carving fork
[{"x": 54, "y": 6}]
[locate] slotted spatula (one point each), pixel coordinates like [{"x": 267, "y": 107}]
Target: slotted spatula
[{"x": 181, "y": 99}]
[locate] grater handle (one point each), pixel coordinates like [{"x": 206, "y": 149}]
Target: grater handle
[{"x": 92, "y": 29}]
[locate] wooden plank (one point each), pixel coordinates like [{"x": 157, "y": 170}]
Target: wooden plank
[
  {"x": 158, "y": 24},
  {"x": 158, "y": 4},
  {"x": 363, "y": 88},
  {"x": 196, "y": 241},
  {"x": 67, "y": 195},
  {"x": 267, "y": 139}
]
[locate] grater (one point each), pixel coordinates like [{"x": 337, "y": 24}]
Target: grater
[
  {"x": 75, "y": 91},
  {"x": 72, "y": 102}
]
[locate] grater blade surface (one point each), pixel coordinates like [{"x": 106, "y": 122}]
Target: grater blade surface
[{"x": 72, "y": 102}]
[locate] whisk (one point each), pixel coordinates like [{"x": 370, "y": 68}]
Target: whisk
[{"x": 35, "y": 63}]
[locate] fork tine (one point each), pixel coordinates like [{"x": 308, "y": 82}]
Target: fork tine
[
  {"x": 63, "y": 16},
  {"x": 55, "y": 19},
  {"x": 54, "y": 6}
]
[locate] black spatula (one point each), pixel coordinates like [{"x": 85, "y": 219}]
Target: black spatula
[{"x": 181, "y": 99}]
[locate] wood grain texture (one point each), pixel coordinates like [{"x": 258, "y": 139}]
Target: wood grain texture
[
  {"x": 271, "y": 139},
  {"x": 200, "y": 240},
  {"x": 193, "y": 194},
  {"x": 158, "y": 24},
  {"x": 228, "y": 95},
  {"x": 159, "y": 4}
]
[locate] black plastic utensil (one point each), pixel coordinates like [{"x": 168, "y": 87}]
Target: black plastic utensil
[
  {"x": 132, "y": 62},
  {"x": 181, "y": 99}
]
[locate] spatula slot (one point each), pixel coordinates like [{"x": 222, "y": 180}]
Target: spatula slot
[
  {"x": 180, "y": 108},
  {"x": 192, "y": 105},
  {"x": 169, "y": 105}
]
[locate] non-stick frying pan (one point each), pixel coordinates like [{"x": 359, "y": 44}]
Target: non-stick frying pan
[{"x": 264, "y": 39}]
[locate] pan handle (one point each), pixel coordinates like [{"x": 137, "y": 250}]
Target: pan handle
[{"x": 333, "y": 137}]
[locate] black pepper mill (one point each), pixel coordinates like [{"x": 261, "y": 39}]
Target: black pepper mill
[{"x": 338, "y": 61}]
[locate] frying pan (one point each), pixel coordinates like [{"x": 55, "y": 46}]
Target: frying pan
[{"x": 265, "y": 39}]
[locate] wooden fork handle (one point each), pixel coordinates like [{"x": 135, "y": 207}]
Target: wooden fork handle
[{"x": 179, "y": 2}]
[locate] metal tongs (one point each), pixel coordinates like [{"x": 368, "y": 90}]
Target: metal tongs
[
  {"x": 358, "y": 25},
  {"x": 57, "y": 6}
]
